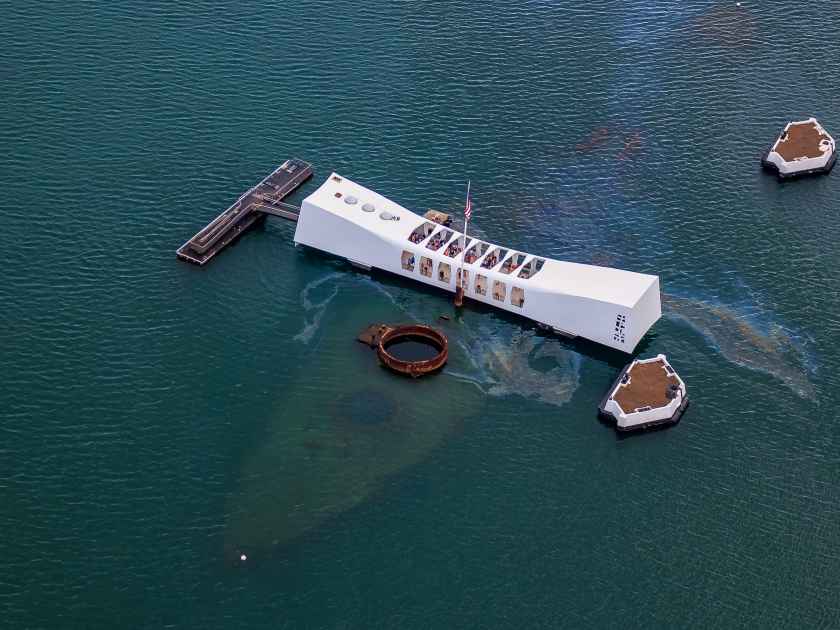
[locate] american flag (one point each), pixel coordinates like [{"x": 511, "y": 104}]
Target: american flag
[{"x": 468, "y": 208}]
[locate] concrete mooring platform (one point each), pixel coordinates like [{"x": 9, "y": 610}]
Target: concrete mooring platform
[
  {"x": 647, "y": 393},
  {"x": 266, "y": 198}
]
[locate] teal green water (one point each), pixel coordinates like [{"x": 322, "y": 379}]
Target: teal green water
[{"x": 159, "y": 419}]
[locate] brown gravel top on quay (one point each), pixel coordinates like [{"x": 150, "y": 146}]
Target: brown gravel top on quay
[
  {"x": 648, "y": 387},
  {"x": 800, "y": 140}
]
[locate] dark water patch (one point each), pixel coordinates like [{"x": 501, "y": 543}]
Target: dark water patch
[
  {"x": 365, "y": 408},
  {"x": 413, "y": 348},
  {"x": 632, "y": 144},
  {"x": 596, "y": 138},
  {"x": 731, "y": 25},
  {"x": 617, "y": 139}
]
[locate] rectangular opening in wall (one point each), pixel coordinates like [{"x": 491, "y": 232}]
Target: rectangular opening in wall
[
  {"x": 499, "y": 290},
  {"x": 425, "y": 266},
  {"x": 492, "y": 259},
  {"x": 517, "y": 296},
  {"x": 457, "y": 245},
  {"x": 422, "y": 232},
  {"x": 531, "y": 269},
  {"x": 444, "y": 272},
  {"x": 438, "y": 240},
  {"x": 481, "y": 284},
  {"x": 475, "y": 252},
  {"x": 512, "y": 263},
  {"x": 407, "y": 260}
]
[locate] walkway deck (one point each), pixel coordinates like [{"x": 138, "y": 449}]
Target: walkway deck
[{"x": 263, "y": 199}]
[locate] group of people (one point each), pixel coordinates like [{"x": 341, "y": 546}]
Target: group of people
[
  {"x": 435, "y": 243},
  {"x": 510, "y": 265},
  {"x": 490, "y": 261},
  {"x": 454, "y": 249}
]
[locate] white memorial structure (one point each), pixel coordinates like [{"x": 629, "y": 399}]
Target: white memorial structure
[{"x": 608, "y": 306}]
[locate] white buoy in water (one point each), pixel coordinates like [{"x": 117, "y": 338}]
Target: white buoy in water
[{"x": 243, "y": 557}]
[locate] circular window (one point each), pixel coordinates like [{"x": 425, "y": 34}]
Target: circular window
[
  {"x": 368, "y": 207},
  {"x": 350, "y": 199}
]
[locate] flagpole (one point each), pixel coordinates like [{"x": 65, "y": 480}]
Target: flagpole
[{"x": 459, "y": 290}]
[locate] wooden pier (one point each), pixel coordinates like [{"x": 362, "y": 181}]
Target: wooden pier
[{"x": 266, "y": 198}]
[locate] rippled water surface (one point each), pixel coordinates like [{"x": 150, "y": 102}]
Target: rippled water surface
[{"x": 160, "y": 420}]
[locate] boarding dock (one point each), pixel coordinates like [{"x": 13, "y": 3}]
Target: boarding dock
[{"x": 266, "y": 198}]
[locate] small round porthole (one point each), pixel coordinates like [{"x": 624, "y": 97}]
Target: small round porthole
[
  {"x": 350, "y": 199},
  {"x": 386, "y": 216},
  {"x": 338, "y": 195},
  {"x": 368, "y": 207}
]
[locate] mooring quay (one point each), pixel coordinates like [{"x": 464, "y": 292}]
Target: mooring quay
[{"x": 263, "y": 199}]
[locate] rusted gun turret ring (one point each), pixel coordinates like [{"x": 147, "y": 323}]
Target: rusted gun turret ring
[{"x": 414, "y": 369}]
